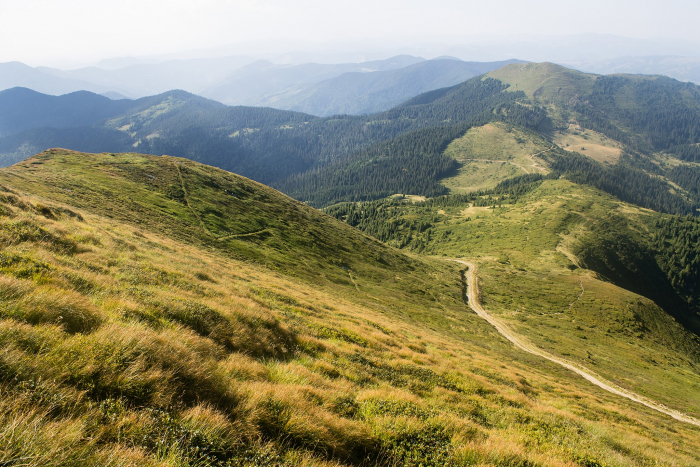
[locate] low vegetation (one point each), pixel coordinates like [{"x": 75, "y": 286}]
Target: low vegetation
[
  {"x": 157, "y": 311},
  {"x": 533, "y": 238},
  {"x": 492, "y": 153},
  {"x": 135, "y": 332}
]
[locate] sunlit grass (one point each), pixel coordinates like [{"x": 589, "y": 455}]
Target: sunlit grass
[{"x": 125, "y": 345}]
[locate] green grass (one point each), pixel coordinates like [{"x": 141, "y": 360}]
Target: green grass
[
  {"x": 132, "y": 336},
  {"x": 476, "y": 175},
  {"x": 589, "y": 143},
  {"x": 545, "y": 82},
  {"x": 529, "y": 254},
  {"x": 212, "y": 208},
  {"x": 492, "y": 153}
]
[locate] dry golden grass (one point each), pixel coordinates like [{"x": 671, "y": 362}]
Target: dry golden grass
[
  {"x": 589, "y": 143},
  {"x": 124, "y": 346}
]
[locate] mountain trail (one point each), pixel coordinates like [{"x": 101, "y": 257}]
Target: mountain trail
[
  {"x": 534, "y": 166},
  {"x": 471, "y": 298},
  {"x": 187, "y": 201},
  {"x": 579, "y": 297},
  {"x": 250, "y": 234}
]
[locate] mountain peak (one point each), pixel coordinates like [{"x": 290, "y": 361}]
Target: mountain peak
[{"x": 544, "y": 81}]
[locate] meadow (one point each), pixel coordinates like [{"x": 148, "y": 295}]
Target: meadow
[{"x": 139, "y": 328}]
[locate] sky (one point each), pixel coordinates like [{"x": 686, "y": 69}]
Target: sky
[{"x": 45, "y": 31}]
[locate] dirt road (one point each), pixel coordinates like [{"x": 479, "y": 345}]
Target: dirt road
[
  {"x": 521, "y": 343},
  {"x": 534, "y": 165}
]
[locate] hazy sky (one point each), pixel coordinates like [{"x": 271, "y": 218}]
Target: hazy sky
[{"x": 36, "y": 31}]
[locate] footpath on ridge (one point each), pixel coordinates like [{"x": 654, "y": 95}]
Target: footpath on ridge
[{"x": 469, "y": 278}]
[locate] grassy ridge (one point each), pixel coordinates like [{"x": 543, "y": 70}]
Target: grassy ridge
[
  {"x": 546, "y": 82},
  {"x": 130, "y": 342},
  {"x": 205, "y": 206}
]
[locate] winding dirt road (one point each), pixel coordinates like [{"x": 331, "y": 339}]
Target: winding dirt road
[{"x": 472, "y": 301}]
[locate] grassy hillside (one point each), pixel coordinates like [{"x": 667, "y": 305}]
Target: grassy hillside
[
  {"x": 545, "y": 82},
  {"x": 589, "y": 142},
  {"x": 135, "y": 333},
  {"x": 492, "y": 153},
  {"x": 561, "y": 264},
  {"x": 205, "y": 206}
]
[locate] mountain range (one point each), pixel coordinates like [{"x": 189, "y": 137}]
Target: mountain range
[
  {"x": 318, "y": 89},
  {"x": 251, "y": 83},
  {"x": 296, "y": 150},
  {"x": 262, "y": 143},
  {"x": 502, "y": 272},
  {"x": 16, "y": 74},
  {"x": 358, "y": 93},
  {"x": 677, "y": 67}
]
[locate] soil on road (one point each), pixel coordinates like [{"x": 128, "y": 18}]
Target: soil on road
[{"x": 472, "y": 300}]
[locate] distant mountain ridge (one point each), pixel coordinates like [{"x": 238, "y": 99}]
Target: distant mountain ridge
[
  {"x": 232, "y": 80},
  {"x": 16, "y": 74},
  {"x": 676, "y": 67},
  {"x": 24, "y": 109},
  {"x": 314, "y": 88},
  {"x": 365, "y": 93},
  {"x": 250, "y": 83},
  {"x": 146, "y": 79}
]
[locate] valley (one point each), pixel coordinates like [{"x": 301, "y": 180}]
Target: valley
[{"x": 524, "y": 250}]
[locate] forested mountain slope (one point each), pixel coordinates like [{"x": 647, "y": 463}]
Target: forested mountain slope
[
  {"x": 640, "y": 149},
  {"x": 638, "y": 134},
  {"x": 646, "y": 113},
  {"x": 24, "y": 109},
  {"x": 630, "y": 138}
]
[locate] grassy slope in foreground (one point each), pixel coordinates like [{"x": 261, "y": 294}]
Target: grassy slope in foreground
[
  {"x": 128, "y": 340},
  {"x": 206, "y": 206}
]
